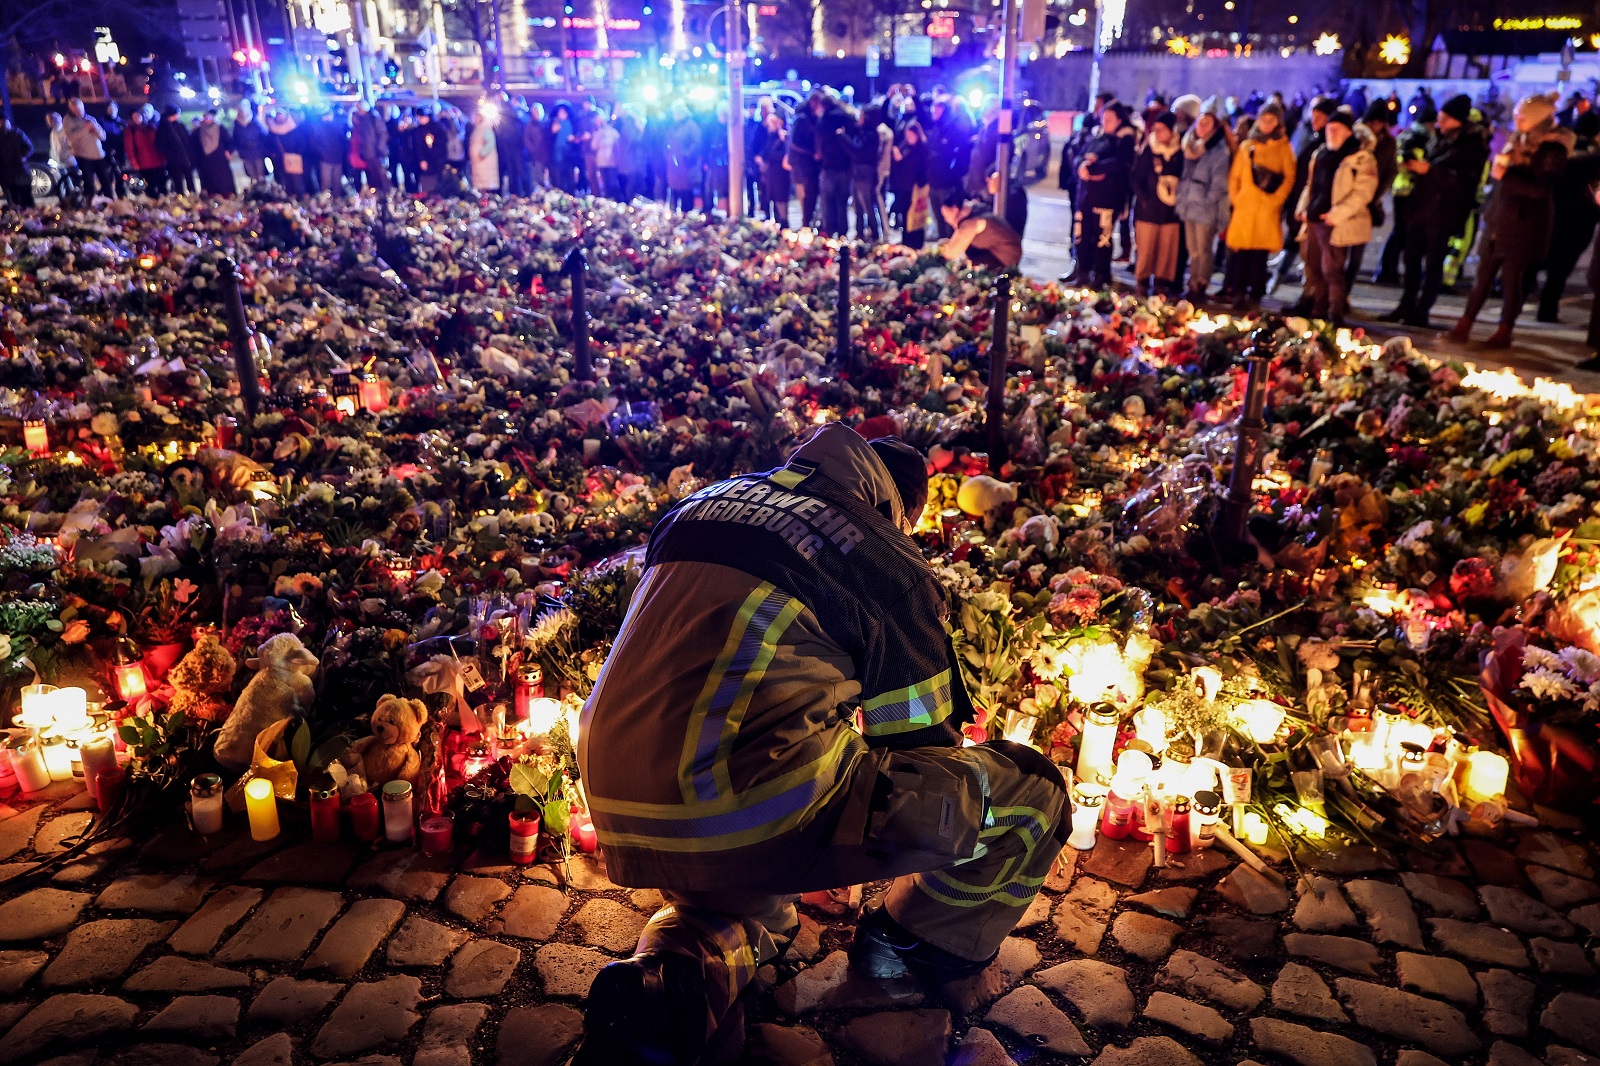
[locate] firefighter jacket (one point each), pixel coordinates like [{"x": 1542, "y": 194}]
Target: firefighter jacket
[{"x": 718, "y": 746}]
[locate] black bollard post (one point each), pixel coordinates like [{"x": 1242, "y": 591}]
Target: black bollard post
[
  {"x": 240, "y": 338},
  {"x": 841, "y": 319},
  {"x": 576, "y": 265},
  {"x": 1247, "y": 449},
  {"x": 999, "y": 354}
]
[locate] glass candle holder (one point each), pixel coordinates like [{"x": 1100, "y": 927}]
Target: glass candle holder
[
  {"x": 205, "y": 804},
  {"x": 524, "y": 827},
  {"x": 366, "y": 821},
  {"x": 27, "y": 759},
  {"x": 325, "y": 814},
  {"x": 1088, "y": 804},
  {"x": 1095, "y": 745},
  {"x": 397, "y": 818}
]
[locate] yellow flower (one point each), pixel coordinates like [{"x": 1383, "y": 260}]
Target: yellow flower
[{"x": 1474, "y": 515}]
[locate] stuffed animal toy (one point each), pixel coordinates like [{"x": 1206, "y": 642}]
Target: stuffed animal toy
[
  {"x": 201, "y": 681},
  {"x": 281, "y": 689},
  {"x": 390, "y": 753},
  {"x": 983, "y": 495}
]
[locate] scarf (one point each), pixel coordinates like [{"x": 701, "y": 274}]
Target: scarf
[{"x": 209, "y": 136}]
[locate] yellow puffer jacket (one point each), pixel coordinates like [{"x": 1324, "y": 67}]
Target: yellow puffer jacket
[{"x": 1257, "y": 221}]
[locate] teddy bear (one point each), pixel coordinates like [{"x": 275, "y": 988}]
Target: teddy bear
[
  {"x": 201, "y": 680},
  {"x": 390, "y": 753},
  {"x": 281, "y": 689}
]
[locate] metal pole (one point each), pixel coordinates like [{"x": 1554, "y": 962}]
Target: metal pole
[
  {"x": 1094, "y": 65},
  {"x": 841, "y": 318},
  {"x": 1247, "y": 451},
  {"x": 359, "y": 33},
  {"x": 1008, "y": 89},
  {"x": 576, "y": 265},
  {"x": 994, "y": 414},
  {"x": 240, "y": 338},
  {"x": 736, "y": 14}
]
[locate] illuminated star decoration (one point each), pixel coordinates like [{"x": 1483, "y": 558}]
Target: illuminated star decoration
[
  {"x": 1178, "y": 46},
  {"x": 1396, "y": 50},
  {"x": 1326, "y": 44}
]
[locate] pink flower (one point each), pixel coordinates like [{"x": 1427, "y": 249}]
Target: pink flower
[{"x": 183, "y": 590}]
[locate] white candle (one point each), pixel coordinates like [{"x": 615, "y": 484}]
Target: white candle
[
  {"x": 38, "y": 711},
  {"x": 1487, "y": 774},
  {"x": 1094, "y": 746},
  {"x": 1150, "y": 726},
  {"x": 1088, "y": 802},
  {"x": 70, "y": 707},
  {"x": 27, "y": 759},
  {"x": 397, "y": 818},
  {"x": 262, "y": 807},
  {"x": 205, "y": 804}
]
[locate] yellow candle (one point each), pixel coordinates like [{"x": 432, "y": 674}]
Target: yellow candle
[
  {"x": 36, "y": 436},
  {"x": 1487, "y": 773},
  {"x": 262, "y": 806}
]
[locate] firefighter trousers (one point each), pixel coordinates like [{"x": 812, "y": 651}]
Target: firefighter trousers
[{"x": 967, "y": 835}]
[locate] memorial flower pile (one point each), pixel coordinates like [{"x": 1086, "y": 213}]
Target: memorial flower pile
[{"x": 436, "y": 504}]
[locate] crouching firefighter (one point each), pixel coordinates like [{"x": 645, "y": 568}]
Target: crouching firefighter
[{"x": 723, "y": 765}]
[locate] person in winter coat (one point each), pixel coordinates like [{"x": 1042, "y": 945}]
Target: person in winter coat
[
  {"x": 1516, "y": 229},
  {"x": 429, "y": 141},
  {"x": 60, "y": 146},
  {"x": 508, "y": 147},
  {"x": 1410, "y": 145},
  {"x": 1258, "y": 183},
  {"x": 908, "y": 184},
  {"x": 249, "y": 137},
  {"x": 116, "y": 160},
  {"x": 214, "y": 149},
  {"x": 177, "y": 148},
  {"x": 949, "y": 152},
  {"x": 1445, "y": 192},
  {"x": 1575, "y": 208},
  {"x": 330, "y": 143},
  {"x": 15, "y": 150},
  {"x": 836, "y": 135},
  {"x": 801, "y": 163},
  {"x": 483, "y": 154},
  {"x": 87, "y": 138},
  {"x": 289, "y": 150},
  {"x": 566, "y": 151},
  {"x": 1203, "y": 204},
  {"x": 1103, "y": 172},
  {"x": 605, "y": 139},
  {"x": 369, "y": 143},
  {"x": 1380, "y": 114},
  {"x": 144, "y": 158},
  {"x": 773, "y": 180},
  {"x": 770, "y": 608},
  {"x": 1341, "y": 179},
  {"x": 1157, "y": 173},
  {"x": 1306, "y": 140},
  {"x": 864, "y": 152},
  {"x": 683, "y": 159},
  {"x": 633, "y": 157},
  {"x": 536, "y": 142}
]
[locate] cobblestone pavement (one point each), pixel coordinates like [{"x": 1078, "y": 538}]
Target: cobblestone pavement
[{"x": 175, "y": 951}]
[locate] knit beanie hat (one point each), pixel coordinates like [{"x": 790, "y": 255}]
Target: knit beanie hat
[
  {"x": 1344, "y": 117},
  {"x": 909, "y": 471},
  {"x": 1458, "y": 107},
  {"x": 1327, "y": 105},
  {"x": 1379, "y": 111},
  {"x": 1165, "y": 118},
  {"x": 1188, "y": 106}
]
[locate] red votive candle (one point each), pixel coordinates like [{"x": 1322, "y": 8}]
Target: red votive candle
[
  {"x": 109, "y": 787},
  {"x": 366, "y": 821},
  {"x": 325, "y": 815},
  {"x": 524, "y": 836},
  {"x": 438, "y": 835}
]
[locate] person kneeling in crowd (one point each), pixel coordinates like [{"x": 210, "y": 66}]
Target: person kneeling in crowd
[
  {"x": 982, "y": 237},
  {"x": 786, "y": 646}
]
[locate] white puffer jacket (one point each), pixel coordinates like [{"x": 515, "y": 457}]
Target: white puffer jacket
[{"x": 1355, "y": 183}]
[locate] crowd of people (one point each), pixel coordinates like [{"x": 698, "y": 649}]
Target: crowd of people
[
  {"x": 1247, "y": 190},
  {"x": 1182, "y": 192}
]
